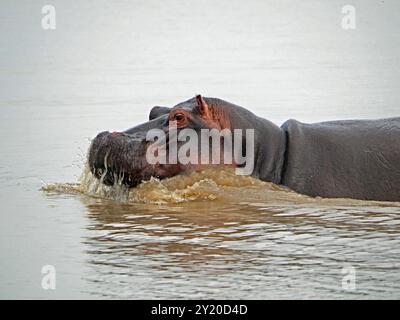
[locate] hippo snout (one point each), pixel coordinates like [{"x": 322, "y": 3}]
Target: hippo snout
[{"x": 118, "y": 158}]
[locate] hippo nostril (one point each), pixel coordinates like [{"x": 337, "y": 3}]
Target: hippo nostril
[{"x": 116, "y": 134}]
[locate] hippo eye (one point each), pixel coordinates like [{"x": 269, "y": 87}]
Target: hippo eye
[{"x": 179, "y": 117}]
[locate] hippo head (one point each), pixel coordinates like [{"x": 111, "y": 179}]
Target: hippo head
[{"x": 123, "y": 156}]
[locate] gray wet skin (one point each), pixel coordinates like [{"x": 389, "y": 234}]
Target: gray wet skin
[{"x": 357, "y": 159}]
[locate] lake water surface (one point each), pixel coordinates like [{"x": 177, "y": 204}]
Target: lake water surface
[{"x": 210, "y": 234}]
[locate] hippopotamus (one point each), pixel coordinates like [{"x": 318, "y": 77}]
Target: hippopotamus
[{"x": 357, "y": 159}]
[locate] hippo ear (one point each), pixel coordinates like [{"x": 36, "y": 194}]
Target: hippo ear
[
  {"x": 158, "y": 111},
  {"x": 203, "y": 107}
]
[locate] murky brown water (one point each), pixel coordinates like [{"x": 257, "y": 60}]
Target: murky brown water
[
  {"x": 210, "y": 234},
  {"x": 215, "y": 234}
]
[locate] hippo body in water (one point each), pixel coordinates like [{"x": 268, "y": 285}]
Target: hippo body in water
[{"x": 357, "y": 159}]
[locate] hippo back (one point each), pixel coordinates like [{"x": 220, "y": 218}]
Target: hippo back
[{"x": 344, "y": 159}]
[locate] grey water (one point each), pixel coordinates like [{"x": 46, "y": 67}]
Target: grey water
[{"x": 105, "y": 65}]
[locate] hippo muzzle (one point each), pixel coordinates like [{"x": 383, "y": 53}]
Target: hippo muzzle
[
  {"x": 117, "y": 157},
  {"x": 120, "y": 158}
]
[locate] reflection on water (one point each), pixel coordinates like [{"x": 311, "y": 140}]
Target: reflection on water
[{"x": 275, "y": 244}]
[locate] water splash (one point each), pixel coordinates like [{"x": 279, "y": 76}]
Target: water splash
[
  {"x": 210, "y": 184},
  {"x": 219, "y": 185}
]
